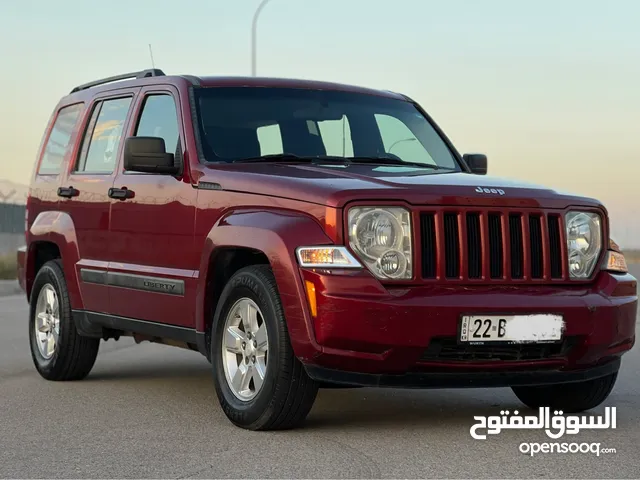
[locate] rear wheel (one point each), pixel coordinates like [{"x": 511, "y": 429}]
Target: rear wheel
[
  {"x": 568, "y": 397},
  {"x": 259, "y": 382},
  {"x": 58, "y": 352}
]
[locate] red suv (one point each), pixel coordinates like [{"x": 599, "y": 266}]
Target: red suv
[{"x": 304, "y": 234}]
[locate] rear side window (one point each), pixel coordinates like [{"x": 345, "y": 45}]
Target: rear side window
[
  {"x": 102, "y": 138},
  {"x": 58, "y": 142}
]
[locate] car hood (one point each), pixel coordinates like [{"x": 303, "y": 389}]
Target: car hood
[{"x": 337, "y": 184}]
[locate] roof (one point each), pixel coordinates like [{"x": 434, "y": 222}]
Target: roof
[
  {"x": 157, "y": 76},
  {"x": 240, "y": 81}
]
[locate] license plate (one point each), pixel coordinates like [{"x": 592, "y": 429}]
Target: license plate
[{"x": 538, "y": 328}]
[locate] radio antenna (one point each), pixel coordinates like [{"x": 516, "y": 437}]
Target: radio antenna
[{"x": 151, "y": 55}]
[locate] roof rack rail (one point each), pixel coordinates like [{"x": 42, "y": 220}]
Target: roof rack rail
[{"x": 152, "y": 72}]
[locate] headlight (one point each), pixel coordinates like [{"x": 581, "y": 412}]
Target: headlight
[
  {"x": 584, "y": 242},
  {"x": 381, "y": 237}
]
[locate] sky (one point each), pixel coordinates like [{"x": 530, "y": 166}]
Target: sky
[{"x": 548, "y": 90}]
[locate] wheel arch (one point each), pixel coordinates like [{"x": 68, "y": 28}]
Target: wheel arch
[
  {"x": 53, "y": 235},
  {"x": 248, "y": 237}
]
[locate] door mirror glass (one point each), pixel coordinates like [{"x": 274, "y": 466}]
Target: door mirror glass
[
  {"x": 149, "y": 155},
  {"x": 477, "y": 163}
]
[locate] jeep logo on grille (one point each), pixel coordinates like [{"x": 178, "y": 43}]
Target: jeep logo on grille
[{"x": 496, "y": 191}]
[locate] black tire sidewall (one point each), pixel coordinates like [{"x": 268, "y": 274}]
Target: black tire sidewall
[
  {"x": 247, "y": 283},
  {"x": 571, "y": 397},
  {"x": 49, "y": 274}
]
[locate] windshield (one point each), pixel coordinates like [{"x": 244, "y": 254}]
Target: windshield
[{"x": 244, "y": 123}]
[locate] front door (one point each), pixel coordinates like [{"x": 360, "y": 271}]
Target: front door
[
  {"x": 152, "y": 273},
  {"x": 84, "y": 194}
]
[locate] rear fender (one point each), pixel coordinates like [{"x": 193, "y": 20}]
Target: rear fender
[
  {"x": 275, "y": 233},
  {"x": 57, "y": 228}
]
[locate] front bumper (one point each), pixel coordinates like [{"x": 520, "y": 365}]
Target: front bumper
[
  {"x": 481, "y": 379},
  {"x": 369, "y": 335}
]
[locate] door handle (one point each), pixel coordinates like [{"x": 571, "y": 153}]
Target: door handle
[
  {"x": 121, "y": 193},
  {"x": 68, "y": 192}
]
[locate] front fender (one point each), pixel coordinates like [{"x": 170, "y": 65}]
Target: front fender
[
  {"x": 55, "y": 227},
  {"x": 276, "y": 233}
]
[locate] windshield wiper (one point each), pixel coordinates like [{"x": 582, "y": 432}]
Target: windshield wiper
[
  {"x": 286, "y": 157},
  {"x": 290, "y": 157},
  {"x": 392, "y": 161}
]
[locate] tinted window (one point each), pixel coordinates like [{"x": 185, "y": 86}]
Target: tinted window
[
  {"x": 159, "y": 119},
  {"x": 102, "y": 138},
  {"x": 58, "y": 142},
  {"x": 241, "y": 122},
  {"x": 335, "y": 136},
  {"x": 270, "y": 139},
  {"x": 400, "y": 141}
]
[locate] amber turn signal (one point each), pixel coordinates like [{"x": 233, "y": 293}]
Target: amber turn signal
[
  {"x": 311, "y": 297},
  {"x": 615, "y": 262},
  {"x": 326, "y": 256}
]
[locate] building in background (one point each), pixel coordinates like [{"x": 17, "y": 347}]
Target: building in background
[{"x": 13, "y": 198}]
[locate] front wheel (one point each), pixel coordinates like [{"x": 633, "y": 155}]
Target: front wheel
[
  {"x": 259, "y": 382},
  {"x": 568, "y": 397}
]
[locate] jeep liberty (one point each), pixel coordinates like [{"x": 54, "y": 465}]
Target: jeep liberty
[{"x": 304, "y": 234}]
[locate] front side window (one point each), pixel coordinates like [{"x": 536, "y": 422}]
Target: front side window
[
  {"x": 58, "y": 142},
  {"x": 102, "y": 138},
  {"x": 159, "y": 119},
  {"x": 242, "y": 122}
]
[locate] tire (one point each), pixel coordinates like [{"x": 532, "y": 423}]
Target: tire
[
  {"x": 287, "y": 393},
  {"x": 73, "y": 356},
  {"x": 568, "y": 397}
]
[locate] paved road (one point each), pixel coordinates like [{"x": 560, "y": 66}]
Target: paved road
[{"x": 150, "y": 411}]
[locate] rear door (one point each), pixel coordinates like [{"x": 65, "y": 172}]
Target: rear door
[
  {"x": 84, "y": 192},
  {"x": 56, "y": 150},
  {"x": 151, "y": 244}
]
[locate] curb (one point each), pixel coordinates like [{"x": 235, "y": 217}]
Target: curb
[{"x": 10, "y": 287}]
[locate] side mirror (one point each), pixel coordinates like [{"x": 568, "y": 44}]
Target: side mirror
[
  {"x": 149, "y": 155},
  {"x": 477, "y": 163}
]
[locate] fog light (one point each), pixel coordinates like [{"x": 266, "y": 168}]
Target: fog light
[
  {"x": 393, "y": 263},
  {"x": 576, "y": 264}
]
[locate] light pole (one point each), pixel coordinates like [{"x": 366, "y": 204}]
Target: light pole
[
  {"x": 263, "y": 3},
  {"x": 400, "y": 141}
]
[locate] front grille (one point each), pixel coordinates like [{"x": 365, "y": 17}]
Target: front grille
[
  {"x": 451, "y": 245},
  {"x": 472, "y": 244},
  {"x": 446, "y": 349}
]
